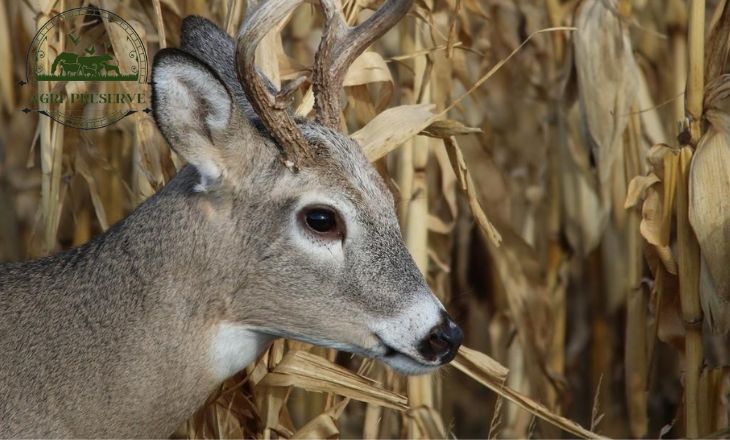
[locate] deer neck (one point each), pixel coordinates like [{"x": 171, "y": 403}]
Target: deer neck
[
  {"x": 146, "y": 318},
  {"x": 183, "y": 287}
]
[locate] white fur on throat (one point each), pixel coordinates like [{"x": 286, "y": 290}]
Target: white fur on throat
[{"x": 233, "y": 347}]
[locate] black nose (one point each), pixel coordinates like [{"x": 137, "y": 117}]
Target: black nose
[{"x": 442, "y": 342}]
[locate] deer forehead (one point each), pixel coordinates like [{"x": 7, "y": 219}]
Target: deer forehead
[
  {"x": 338, "y": 172},
  {"x": 342, "y": 158}
]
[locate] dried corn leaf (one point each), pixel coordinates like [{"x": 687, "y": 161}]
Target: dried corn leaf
[
  {"x": 657, "y": 190},
  {"x": 637, "y": 189},
  {"x": 368, "y": 68},
  {"x": 159, "y": 24},
  {"x": 709, "y": 214},
  {"x": 7, "y": 91},
  {"x": 428, "y": 421},
  {"x": 467, "y": 185},
  {"x": 492, "y": 375},
  {"x": 448, "y": 127},
  {"x": 581, "y": 204},
  {"x": 669, "y": 167},
  {"x": 43, "y": 7},
  {"x": 668, "y": 323},
  {"x": 289, "y": 68},
  {"x": 118, "y": 39},
  {"x": 322, "y": 426},
  {"x": 271, "y": 401},
  {"x": 652, "y": 215},
  {"x": 83, "y": 168},
  {"x": 314, "y": 373},
  {"x": 227, "y": 424},
  {"x": 717, "y": 45},
  {"x": 651, "y": 124},
  {"x": 479, "y": 366},
  {"x": 714, "y": 388},
  {"x": 392, "y": 127},
  {"x": 307, "y": 103}
]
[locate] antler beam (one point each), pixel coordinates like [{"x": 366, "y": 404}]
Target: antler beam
[
  {"x": 268, "y": 105},
  {"x": 340, "y": 46}
]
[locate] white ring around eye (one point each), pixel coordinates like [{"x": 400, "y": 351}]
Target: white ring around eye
[{"x": 327, "y": 249}]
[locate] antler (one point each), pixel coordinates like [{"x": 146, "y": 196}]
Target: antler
[
  {"x": 269, "y": 106},
  {"x": 340, "y": 46}
]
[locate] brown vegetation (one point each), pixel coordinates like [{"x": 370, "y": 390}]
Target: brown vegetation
[{"x": 562, "y": 169}]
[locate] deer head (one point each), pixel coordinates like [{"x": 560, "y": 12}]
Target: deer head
[{"x": 303, "y": 231}]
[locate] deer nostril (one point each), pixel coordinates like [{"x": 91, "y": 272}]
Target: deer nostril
[
  {"x": 442, "y": 342},
  {"x": 437, "y": 341}
]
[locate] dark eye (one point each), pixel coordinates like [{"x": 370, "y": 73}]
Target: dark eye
[{"x": 323, "y": 222}]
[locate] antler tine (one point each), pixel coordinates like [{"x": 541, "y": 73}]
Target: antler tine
[
  {"x": 340, "y": 46},
  {"x": 268, "y": 106}
]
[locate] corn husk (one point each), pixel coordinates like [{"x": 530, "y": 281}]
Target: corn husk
[
  {"x": 607, "y": 92},
  {"x": 710, "y": 217}
]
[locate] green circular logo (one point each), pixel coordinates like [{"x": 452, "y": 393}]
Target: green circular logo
[{"x": 89, "y": 68}]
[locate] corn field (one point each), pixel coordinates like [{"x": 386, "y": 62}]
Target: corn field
[{"x": 562, "y": 176}]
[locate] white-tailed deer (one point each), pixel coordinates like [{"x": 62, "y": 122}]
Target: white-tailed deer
[{"x": 278, "y": 227}]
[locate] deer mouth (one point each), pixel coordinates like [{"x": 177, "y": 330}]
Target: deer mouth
[
  {"x": 389, "y": 351},
  {"x": 402, "y": 362}
]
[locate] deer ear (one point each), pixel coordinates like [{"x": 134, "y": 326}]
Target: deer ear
[
  {"x": 193, "y": 110},
  {"x": 204, "y": 40}
]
